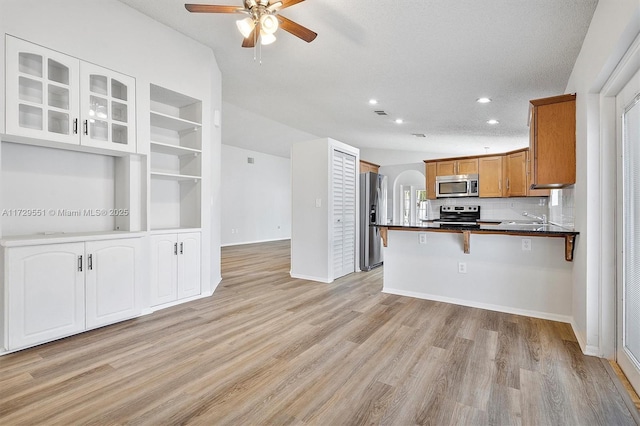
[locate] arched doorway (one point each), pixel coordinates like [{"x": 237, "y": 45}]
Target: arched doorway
[{"x": 408, "y": 192}]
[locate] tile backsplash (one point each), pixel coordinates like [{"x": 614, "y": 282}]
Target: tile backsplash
[
  {"x": 561, "y": 202},
  {"x": 558, "y": 207}
]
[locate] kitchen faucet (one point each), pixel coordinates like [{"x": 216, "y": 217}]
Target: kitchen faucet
[{"x": 542, "y": 218}]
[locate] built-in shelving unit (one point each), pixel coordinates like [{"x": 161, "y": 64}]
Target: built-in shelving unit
[{"x": 175, "y": 160}]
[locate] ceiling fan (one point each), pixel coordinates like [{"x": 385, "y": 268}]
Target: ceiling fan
[{"x": 262, "y": 22}]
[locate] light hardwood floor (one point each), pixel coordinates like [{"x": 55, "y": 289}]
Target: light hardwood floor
[{"x": 269, "y": 349}]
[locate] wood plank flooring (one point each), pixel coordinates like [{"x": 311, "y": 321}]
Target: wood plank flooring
[{"x": 267, "y": 349}]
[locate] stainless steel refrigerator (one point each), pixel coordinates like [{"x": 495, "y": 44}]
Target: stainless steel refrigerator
[{"x": 373, "y": 209}]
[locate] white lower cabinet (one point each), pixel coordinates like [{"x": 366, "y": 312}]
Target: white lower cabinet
[
  {"x": 175, "y": 267},
  {"x": 56, "y": 290},
  {"x": 45, "y": 293},
  {"x": 113, "y": 271}
]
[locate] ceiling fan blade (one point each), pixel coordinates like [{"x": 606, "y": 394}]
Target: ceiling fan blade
[
  {"x": 296, "y": 29},
  {"x": 211, "y": 8},
  {"x": 289, "y": 3},
  {"x": 253, "y": 37}
]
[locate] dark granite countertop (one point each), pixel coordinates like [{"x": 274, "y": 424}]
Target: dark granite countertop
[
  {"x": 512, "y": 227},
  {"x": 505, "y": 227}
]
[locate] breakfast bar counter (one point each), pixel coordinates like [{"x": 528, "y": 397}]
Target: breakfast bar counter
[{"x": 518, "y": 228}]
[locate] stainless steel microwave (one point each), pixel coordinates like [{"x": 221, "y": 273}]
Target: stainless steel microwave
[{"x": 457, "y": 186}]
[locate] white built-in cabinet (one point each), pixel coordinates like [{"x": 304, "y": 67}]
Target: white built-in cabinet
[
  {"x": 55, "y": 97},
  {"x": 115, "y": 229},
  {"x": 175, "y": 160},
  {"x": 113, "y": 277},
  {"x": 175, "y": 211},
  {"x": 55, "y": 290},
  {"x": 175, "y": 267}
]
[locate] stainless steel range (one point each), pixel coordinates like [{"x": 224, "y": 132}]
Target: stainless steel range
[{"x": 459, "y": 216}]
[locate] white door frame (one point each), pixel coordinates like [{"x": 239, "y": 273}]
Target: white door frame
[{"x": 611, "y": 169}]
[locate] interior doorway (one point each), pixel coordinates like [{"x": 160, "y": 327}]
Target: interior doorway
[{"x": 407, "y": 194}]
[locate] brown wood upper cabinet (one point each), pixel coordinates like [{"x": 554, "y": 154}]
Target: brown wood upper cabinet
[
  {"x": 516, "y": 174},
  {"x": 366, "y": 166},
  {"x": 464, "y": 166},
  {"x": 491, "y": 173},
  {"x": 431, "y": 169},
  {"x": 552, "y": 140}
]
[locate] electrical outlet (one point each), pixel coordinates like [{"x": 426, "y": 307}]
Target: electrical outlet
[
  {"x": 318, "y": 202},
  {"x": 526, "y": 244},
  {"x": 422, "y": 238},
  {"x": 462, "y": 268}
]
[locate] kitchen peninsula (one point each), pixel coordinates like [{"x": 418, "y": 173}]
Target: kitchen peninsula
[
  {"x": 530, "y": 229},
  {"x": 506, "y": 270}
]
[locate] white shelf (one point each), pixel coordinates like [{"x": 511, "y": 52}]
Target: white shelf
[
  {"x": 175, "y": 177},
  {"x": 170, "y": 122},
  {"x": 165, "y": 148}
]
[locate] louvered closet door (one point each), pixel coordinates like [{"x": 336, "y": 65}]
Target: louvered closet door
[{"x": 344, "y": 213}]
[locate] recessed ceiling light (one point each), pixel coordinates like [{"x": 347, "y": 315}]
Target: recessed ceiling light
[
  {"x": 373, "y": 102},
  {"x": 483, "y": 100},
  {"x": 492, "y": 121},
  {"x": 399, "y": 121}
]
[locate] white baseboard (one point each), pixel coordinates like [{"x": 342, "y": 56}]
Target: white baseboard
[
  {"x": 487, "y": 306},
  {"x": 310, "y": 278},
  {"x": 254, "y": 242},
  {"x": 180, "y": 302},
  {"x": 582, "y": 341}
]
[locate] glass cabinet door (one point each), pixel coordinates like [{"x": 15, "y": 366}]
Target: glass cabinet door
[
  {"x": 42, "y": 92},
  {"x": 108, "y": 106}
]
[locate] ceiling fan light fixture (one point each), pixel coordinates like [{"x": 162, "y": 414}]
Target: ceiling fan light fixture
[
  {"x": 245, "y": 26},
  {"x": 274, "y": 6},
  {"x": 268, "y": 24},
  {"x": 266, "y": 38}
]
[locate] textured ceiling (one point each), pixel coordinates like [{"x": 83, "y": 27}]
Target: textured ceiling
[{"x": 426, "y": 61}]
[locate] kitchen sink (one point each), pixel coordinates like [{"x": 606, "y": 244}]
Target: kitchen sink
[{"x": 533, "y": 226}]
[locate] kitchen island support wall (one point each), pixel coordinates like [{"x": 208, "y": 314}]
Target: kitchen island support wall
[{"x": 499, "y": 276}]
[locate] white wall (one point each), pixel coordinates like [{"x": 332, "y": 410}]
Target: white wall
[
  {"x": 309, "y": 224},
  {"x": 113, "y": 35},
  {"x": 256, "y": 198},
  {"x": 614, "y": 26}
]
